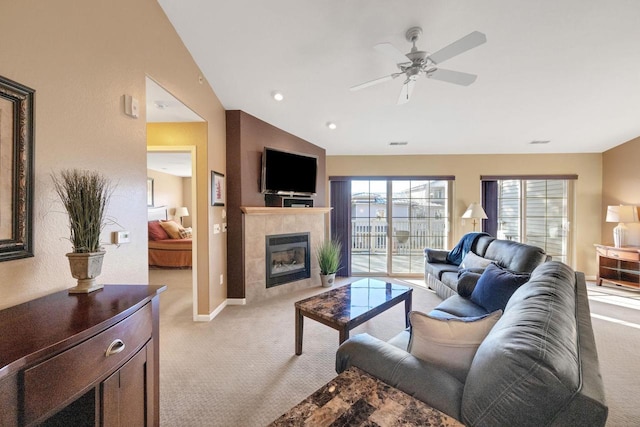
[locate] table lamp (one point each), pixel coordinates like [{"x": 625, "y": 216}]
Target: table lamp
[
  {"x": 621, "y": 214},
  {"x": 475, "y": 212},
  {"x": 181, "y": 212}
]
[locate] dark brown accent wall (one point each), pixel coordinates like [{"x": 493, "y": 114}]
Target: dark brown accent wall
[{"x": 246, "y": 138}]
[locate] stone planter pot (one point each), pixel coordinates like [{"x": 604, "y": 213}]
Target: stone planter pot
[
  {"x": 327, "y": 280},
  {"x": 86, "y": 267}
]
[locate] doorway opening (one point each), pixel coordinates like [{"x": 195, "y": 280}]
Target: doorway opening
[{"x": 172, "y": 190}]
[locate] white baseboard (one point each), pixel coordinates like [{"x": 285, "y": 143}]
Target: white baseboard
[
  {"x": 236, "y": 301},
  {"x": 209, "y": 317},
  {"x": 590, "y": 278}
]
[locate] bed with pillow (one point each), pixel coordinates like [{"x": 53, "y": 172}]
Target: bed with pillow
[{"x": 169, "y": 242}]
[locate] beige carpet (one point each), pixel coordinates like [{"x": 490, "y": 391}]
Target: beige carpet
[{"x": 241, "y": 370}]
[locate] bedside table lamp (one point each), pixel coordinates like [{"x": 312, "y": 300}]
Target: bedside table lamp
[
  {"x": 475, "y": 212},
  {"x": 182, "y": 212},
  {"x": 621, "y": 214}
]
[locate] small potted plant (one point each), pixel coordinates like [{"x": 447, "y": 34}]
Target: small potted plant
[
  {"x": 85, "y": 196},
  {"x": 328, "y": 254}
]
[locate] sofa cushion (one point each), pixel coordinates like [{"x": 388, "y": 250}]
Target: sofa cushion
[
  {"x": 436, "y": 269},
  {"x": 495, "y": 286},
  {"x": 471, "y": 260},
  {"x": 460, "y": 307},
  {"x": 449, "y": 342},
  {"x": 515, "y": 256},
  {"x": 450, "y": 278}
]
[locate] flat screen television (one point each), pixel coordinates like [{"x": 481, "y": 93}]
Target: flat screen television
[{"x": 284, "y": 172}]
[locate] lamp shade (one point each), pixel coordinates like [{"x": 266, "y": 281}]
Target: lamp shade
[
  {"x": 182, "y": 211},
  {"x": 622, "y": 214},
  {"x": 474, "y": 211}
]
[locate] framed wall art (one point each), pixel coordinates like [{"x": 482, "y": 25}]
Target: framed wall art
[
  {"x": 16, "y": 170},
  {"x": 217, "y": 189}
]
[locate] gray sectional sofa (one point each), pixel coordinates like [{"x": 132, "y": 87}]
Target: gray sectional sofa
[
  {"x": 538, "y": 365},
  {"x": 444, "y": 277}
]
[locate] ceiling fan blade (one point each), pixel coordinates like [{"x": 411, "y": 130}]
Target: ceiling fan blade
[
  {"x": 456, "y": 77},
  {"x": 393, "y": 52},
  {"x": 374, "y": 82},
  {"x": 469, "y": 41},
  {"x": 405, "y": 92}
]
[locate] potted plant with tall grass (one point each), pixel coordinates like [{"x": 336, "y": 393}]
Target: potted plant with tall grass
[
  {"x": 85, "y": 196},
  {"x": 328, "y": 254}
]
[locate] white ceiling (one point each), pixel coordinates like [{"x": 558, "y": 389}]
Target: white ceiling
[
  {"x": 172, "y": 163},
  {"x": 567, "y": 71},
  {"x": 163, "y": 107}
]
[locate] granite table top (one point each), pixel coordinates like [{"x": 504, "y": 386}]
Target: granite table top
[
  {"x": 343, "y": 304},
  {"x": 354, "y": 398}
]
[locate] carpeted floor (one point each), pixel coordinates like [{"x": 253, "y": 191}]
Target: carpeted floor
[{"x": 240, "y": 369}]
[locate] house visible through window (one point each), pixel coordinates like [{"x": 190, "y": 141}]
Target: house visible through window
[{"x": 533, "y": 211}]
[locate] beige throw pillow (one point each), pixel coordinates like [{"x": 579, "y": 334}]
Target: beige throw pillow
[
  {"x": 471, "y": 260},
  {"x": 449, "y": 343},
  {"x": 173, "y": 229}
]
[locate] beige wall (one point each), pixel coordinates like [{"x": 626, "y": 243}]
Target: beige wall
[
  {"x": 167, "y": 191},
  {"x": 81, "y": 58},
  {"x": 467, "y": 170},
  {"x": 621, "y": 185}
]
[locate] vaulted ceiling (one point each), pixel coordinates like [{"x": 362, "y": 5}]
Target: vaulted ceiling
[{"x": 565, "y": 71}]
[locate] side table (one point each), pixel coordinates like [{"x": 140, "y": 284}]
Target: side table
[
  {"x": 620, "y": 266},
  {"x": 356, "y": 398}
]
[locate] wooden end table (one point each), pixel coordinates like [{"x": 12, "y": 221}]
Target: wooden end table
[
  {"x": 348, "y": 306},
  {"x": 356, "y": 398}
]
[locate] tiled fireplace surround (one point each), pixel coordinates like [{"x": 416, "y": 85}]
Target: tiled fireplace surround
[{"x": 262, "y": 222}]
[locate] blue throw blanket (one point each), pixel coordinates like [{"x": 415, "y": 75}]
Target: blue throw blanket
[{"x": 464, "y": 245}]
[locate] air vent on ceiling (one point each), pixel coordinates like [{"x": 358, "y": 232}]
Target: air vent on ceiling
[
  {"x": 539, "y": 141},
  {"x": 393, "y": 143}
]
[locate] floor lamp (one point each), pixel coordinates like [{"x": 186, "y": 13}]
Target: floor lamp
[{"x": 474, "y": 212}]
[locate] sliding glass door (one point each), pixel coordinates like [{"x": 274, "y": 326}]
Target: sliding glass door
[
  {"x": 392, "y": 221},
  {"x": 369, "y": 227}
]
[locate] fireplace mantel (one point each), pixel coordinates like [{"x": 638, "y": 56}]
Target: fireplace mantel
[{"x": 261, "y": 210}]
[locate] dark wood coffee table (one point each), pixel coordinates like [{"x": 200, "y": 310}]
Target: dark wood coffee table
[
  {"x": 348, "y": 306},
  {"x": 356, "y": 398}
]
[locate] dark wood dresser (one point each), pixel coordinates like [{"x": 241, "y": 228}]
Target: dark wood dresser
[{"x": 82, "y": 359}]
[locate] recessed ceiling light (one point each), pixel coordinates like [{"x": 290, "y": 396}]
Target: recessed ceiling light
[
  {"x": 160, "y": 105},
  {"x": 398, "y": 143},
  {"x": 331, "y": 125},
  {"x": 539, "y": 141},
  {"x": 278, "y": 96}
]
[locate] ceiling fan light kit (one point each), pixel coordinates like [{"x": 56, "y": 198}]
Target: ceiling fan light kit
[{"x": 418, "y": 62}]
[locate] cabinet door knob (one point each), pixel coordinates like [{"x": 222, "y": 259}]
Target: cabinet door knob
[{"x": 115, "y": 347}]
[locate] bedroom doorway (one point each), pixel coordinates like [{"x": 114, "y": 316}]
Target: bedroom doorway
[{"x": 172, "y": 195}]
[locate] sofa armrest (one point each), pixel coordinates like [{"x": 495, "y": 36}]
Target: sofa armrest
[
  {"x": 402, "y": 370},
  {"x": 435, "y": 255}
]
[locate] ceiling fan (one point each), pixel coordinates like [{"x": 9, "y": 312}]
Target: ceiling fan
[{"x": 418, "y": 62}]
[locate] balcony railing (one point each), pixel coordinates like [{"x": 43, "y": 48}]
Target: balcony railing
[{"x": 409, "y": 236}]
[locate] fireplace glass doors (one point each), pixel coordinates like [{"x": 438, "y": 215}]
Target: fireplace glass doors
[{"x": 287, "y": 259}]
